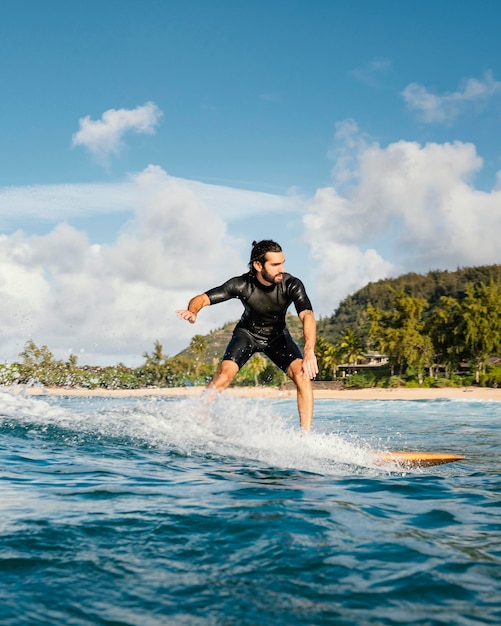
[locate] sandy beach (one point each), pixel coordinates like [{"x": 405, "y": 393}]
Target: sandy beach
[{"x": 479, "y": 393}]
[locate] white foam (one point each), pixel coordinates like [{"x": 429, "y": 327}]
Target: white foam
[{"x": 234, "y": 429}]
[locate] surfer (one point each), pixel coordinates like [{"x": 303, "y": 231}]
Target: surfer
[{"x": 266, "y": 292}]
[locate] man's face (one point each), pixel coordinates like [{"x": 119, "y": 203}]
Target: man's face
[{"x": 272, "y": 271}]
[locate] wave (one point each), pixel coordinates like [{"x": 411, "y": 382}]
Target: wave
[{"x": 233, "y": 429}]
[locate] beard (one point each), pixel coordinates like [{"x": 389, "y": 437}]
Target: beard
[{"x": 271, "y": 279}]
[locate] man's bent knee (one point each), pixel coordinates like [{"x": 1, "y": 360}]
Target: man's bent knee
[{"x": 295, "y": 373}]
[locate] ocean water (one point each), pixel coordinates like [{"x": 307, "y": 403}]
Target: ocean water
[{"x": 177, "y": 511}]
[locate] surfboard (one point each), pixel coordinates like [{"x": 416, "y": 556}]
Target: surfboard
[{"x": 418, "y": 459}]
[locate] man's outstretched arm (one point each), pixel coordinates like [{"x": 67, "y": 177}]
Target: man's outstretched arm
[
  {"x": 194, "y": 306},
  {"x": 310, "y": 366}
]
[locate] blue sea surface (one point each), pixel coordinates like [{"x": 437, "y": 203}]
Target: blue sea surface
[{"x": 161, "y": 511}]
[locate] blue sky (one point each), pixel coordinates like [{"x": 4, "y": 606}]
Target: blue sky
[{"x": 143, "y": 145}]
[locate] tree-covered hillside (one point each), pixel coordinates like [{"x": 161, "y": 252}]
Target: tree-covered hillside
[{"x": 351, "y": 312}]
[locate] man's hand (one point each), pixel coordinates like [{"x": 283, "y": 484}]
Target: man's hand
[
  {"x": 310, "y": 365},
  {"x": 194, "y": 306},
  {"x": 189, "y": 316}
]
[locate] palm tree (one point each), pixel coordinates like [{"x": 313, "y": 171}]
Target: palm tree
[
  {"x": 256, "y": 365},
  {"x": 327, "y": 359},
  {"x": 350, "y": 347},
  {"x": 155, "y": 365},
  {"x": 198, "y": 346}
]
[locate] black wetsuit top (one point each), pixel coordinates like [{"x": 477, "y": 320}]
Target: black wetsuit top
[{"x": 262, "y": 325}]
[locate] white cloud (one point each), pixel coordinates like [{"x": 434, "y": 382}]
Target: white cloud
[
  {"x": 50, "y": 203},
  {"x": 336, "y": 234},
  {"x": 103, "y": 138},
  {"x": 445, "y": 108},
  {"x": 348, "y": 143},
  {"x": 57, "y": 202},
  {"x": 403, "y": 207},
  {"x": 410, "y": 207},
  {"x": 175, "y": 239},
  {"x": 109, "y": 302}
]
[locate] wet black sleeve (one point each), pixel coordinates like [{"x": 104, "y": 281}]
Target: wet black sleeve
[
  {"x": 232, "y": 288},
  {"x": 299, "y": 296}
]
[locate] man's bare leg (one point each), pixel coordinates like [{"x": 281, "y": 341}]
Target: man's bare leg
[
  {"x": 304, "y": 393},
  {"x": 227, "y": 372}
]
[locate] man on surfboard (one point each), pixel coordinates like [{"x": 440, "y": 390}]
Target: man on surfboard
[{"x": 266, "y": 292}]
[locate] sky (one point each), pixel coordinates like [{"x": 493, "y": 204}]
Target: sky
[{"x": 144, "y": 144}]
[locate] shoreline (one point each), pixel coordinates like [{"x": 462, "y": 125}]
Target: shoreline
[{"x": 273, "y": 393}]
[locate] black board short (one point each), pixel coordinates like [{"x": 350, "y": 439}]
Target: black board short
[{"x": 280, "y": 348}]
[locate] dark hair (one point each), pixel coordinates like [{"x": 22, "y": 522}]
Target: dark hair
[{"x": 259, "y": 250}]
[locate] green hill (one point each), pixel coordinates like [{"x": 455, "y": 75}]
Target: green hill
[{"x": 429, "y": 287}]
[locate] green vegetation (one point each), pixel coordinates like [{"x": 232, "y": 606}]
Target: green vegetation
[
  {"x": 38, "y": 366},
  {"x": 438, "y": 329},
  {"x": 400, "y": 334},
  {"x": 431, "y": 287},
  {"x": 441, "y": 329}
]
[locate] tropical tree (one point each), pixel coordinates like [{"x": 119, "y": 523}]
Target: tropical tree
[
  {"x": 399, "y": 333},
  {"x": 444, "y": 328},
  {"x": 254, "y": 366},
  {"x": 38, "y": 364},
  {"x": 327, "y": 359},
  {"x": 154, "y": 369},
  {"x": 198, "y": 346},
  {"x": 178, "y": 370},
  {"x": 350, "y": 347},
  {"x": 481, "y": 323},
  {"x": 72, "y": 370},
  {"x": 34, "y": 357}
]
